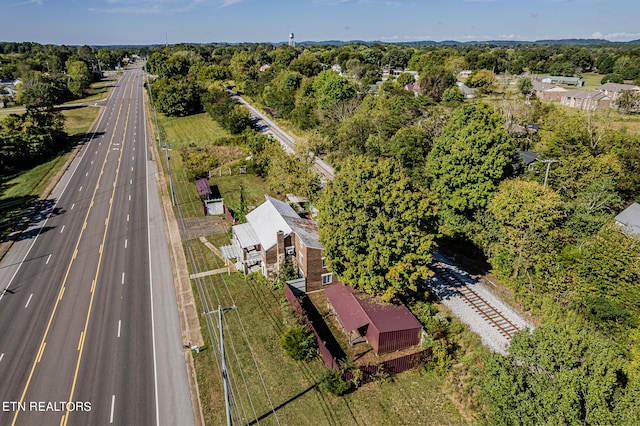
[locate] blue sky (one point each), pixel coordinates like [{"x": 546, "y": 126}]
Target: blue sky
[{"x": 104, "y": 22}]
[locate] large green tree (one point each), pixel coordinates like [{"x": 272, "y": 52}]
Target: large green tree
[
  {"x": 331, "y": 89},
  {"x": 377, "y": 227},
  {"x": 524, "y": 222},
  {"x": 608, "y": 268},
  {"x": 562, "y": 373},
  {"x": 79, "y": 77},
  {"x": 178, "y": 97},
  {"x": 472, "y": 155}
]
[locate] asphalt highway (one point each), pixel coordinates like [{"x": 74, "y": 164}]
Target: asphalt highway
[{"x": 90, "y": 330}]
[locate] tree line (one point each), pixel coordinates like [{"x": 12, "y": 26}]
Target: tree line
[{"x": 48, "y": 76}]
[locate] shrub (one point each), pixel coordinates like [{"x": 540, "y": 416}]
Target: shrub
[
  {"x": 332, "y": 381},
  {"x": 299, "y": 343},
  {"x": 258, "y": 278},
  {"x": 442, "y": 358}
]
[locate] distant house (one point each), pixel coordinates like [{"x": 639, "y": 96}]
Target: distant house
[
  {"x": 275, "y": 233},
  {"x": 588, "y": 100},
  {"x": 394, "y": 73},
  {"x": 465, "y": 73},
  {"x": 629, "y": 220},
  {"x": 8, "y": 89},
  {"x": 265, "y": 67},
  {"x": 415, "y": 88},
  {"x": 526, "y": 159},
  {"x": 467, "y": 91},
  {"x": 614, "y": 90},
  {"x": 565, "y": 81},
  {"x": 387, "y": 327},
  {"x": 547, "y": 91}
]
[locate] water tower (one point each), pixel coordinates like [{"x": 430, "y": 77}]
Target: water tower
[{"x": 291, "y": 42}]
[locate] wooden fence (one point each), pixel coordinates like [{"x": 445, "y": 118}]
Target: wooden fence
[
  {"x": 369, "y": 373},
  {"x": 327, "y": 357},
  {"x": 230, "y": 217}
]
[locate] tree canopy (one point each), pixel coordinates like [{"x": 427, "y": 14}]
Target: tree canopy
[
  {"x": 467, "y": 162},
  {"x": 559, "y": 374},
  {"x": 390, "y": 224}
]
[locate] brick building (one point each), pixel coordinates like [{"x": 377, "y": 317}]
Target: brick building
[{"x": 274, "y": 234}]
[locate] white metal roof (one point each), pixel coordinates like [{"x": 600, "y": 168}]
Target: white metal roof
[
  {"x": 245, "y": 235},
  {"x": 268, "y": 218}
]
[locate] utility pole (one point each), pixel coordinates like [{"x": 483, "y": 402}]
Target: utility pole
[
  {"x": 546, "y": 175},
  {"x": 225, "y": 376}
]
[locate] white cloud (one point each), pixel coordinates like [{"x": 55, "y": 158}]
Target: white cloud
[
  {"x": 226, "y": 3},
  {"x": 36, "y": 2},
  {"x": 153, "y": 7},
  {"x": 616, "y": 36}
]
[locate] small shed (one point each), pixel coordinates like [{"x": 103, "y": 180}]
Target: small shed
[
  {"x": 204, "y": 190},
  {"x": 387, "y": 327}
]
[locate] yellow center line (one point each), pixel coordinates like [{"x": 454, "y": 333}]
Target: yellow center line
[
  {"x": 43, "y": 342},
  {"x": 104, "y": 239}
]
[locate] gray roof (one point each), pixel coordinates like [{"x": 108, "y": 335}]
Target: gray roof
[
  {"x": 275, "y": 215},
  {"x": 629, "y": 218},
  {"x": 306, "y": 230},
  {"x": 245, "y": 234},
  {"x": 617, "y": 87},
  {"x": 543, "y": 87},
  {"x": 585, "y": 94},
  {"x": 528, "y": 157}
]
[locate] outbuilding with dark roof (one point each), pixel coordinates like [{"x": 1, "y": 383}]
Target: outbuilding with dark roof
[{"x": 387, "y": 327}]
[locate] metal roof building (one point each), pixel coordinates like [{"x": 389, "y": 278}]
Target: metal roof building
[
  {"x": 386, "y": 326},
  {"x": 202, "y": 185}
]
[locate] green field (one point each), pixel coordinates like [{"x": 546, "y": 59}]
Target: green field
[
  {"x": 200, "y": 131},
  {"x": 32, "y": 182},
  {"x": 197, "y": 129},
  {"x": 591, "y": 80},
  {"x": 252, "y": 335}
]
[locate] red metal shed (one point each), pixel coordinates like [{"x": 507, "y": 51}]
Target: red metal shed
[{"x": 387, "y": 327}]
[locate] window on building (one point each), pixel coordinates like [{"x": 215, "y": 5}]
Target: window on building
[
  {"x": 323, "y": 264},
  {"x": 327, "y": 278},
  {"x": 301, "y": 257}
]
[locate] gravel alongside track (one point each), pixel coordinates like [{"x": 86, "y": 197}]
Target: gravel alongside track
[{"x": 446, "y": 292}]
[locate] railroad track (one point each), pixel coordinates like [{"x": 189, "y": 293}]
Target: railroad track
[{"x": 473, "y": 299}]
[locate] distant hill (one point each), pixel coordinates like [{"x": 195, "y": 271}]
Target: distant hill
[
  {"x": 501, "y": 43},
  {"x": 504, "y": 43}
]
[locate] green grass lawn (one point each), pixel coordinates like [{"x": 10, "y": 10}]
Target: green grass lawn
[
  {"x": 197, "y": 129},
  {"x": 78, "y": 120},
  {"x": 591, "y": 80},
  {"x": 33, "y": 181},
  {"x": 252, "y": 335}
]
